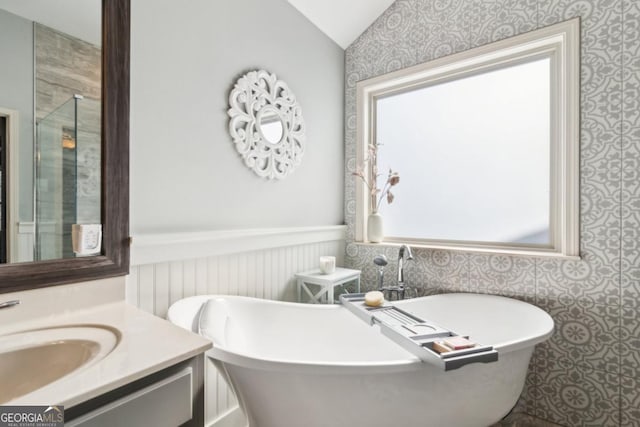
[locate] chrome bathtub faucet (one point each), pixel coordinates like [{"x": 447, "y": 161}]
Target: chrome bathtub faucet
[
  {"x": 401, "y": 252},
  {"x": 399, "y": 288}
]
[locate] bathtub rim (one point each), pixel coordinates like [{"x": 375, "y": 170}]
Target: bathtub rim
[
  {"x": 523, "y": 341},
  {"x": 218, "y": 352},
  {"x": 225, "y": 355}
]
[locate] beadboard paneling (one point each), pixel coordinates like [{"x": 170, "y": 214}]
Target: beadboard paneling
[{"x": 262, "y": 273}]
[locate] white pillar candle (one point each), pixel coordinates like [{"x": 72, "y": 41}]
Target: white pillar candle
[{"x": 327, "y": 264}]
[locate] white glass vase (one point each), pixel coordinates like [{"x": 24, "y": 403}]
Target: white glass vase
[{"x": 375, "y": 232}]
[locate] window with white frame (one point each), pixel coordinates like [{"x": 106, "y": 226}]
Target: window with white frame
[{"x": 485, "y": 143}]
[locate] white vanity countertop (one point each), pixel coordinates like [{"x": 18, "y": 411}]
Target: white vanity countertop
[{"x": 147, "y": 344}]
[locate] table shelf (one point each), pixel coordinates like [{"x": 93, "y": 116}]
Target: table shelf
[{"x": 325, "y": 284}]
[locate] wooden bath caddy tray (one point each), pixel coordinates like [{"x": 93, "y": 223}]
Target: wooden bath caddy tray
[{"x": 416, "y": 335}]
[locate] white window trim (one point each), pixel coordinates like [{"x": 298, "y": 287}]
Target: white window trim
[{"x": 561, "y": 43}]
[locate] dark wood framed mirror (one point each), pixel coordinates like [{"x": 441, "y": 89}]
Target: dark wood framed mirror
[{"x": 114, "y": 258}]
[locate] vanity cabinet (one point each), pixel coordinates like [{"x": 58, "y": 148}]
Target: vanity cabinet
[{"x": 169, "y": 398}]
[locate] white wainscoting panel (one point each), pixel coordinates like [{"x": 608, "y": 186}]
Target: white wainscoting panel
[
  {"x": 261, "y": 265},
  {"x": 267, "y": 273}
]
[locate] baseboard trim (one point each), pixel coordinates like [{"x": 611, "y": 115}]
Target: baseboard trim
[
  {"x": 232, "y": 418},
  {"x": 157, "y": 248}
]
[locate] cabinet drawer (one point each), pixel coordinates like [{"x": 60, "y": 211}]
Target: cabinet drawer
[{"x": 166, "y": 403}]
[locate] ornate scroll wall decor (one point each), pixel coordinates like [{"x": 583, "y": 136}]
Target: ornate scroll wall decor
[{"x": 266, "y": 124}]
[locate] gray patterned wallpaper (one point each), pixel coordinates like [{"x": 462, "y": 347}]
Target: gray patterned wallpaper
[{"x": 588, "y": 373}]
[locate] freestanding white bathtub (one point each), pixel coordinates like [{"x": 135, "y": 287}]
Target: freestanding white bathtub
[{"x": 294, "y": 365}]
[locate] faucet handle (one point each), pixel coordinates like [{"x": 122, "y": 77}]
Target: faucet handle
[{"x": 8, "y": 304}]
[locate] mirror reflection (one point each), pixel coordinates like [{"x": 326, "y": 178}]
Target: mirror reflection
[
  {"x": 50, "y": 125},
  {"x": 271, "y": 127}
]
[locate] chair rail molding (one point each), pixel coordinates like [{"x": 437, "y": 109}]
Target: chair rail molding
[{"x": 164, "y": 247}]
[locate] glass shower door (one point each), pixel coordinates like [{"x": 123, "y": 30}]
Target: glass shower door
[{"x": 67, "y": 175}]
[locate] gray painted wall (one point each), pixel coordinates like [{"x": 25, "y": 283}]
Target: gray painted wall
[
  {"x": 16, "y": 93},
  {"x": 588, "y": 373},
  {"x": 185, "y": 172}
]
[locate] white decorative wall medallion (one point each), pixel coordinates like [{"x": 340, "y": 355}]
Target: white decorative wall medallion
[{"x": 266, "y": 124}]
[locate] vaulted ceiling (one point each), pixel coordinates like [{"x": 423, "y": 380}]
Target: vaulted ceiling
[{"x": 342, "y": 20}]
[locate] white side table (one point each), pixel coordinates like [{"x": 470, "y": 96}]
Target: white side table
[{"x": 326, "y": 282}]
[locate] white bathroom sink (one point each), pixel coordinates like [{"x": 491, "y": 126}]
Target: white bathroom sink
[{"x": 30, "y": 360}]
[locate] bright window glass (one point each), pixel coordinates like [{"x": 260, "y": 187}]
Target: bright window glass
[{"x": 473, "y": 155}]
